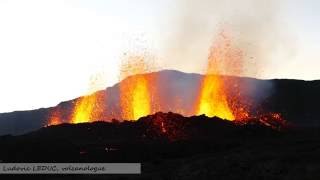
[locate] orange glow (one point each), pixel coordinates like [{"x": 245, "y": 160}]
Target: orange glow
[
  {"x": 135, "y": 95},
  {"x": 54, "y": 117},
  {"x": 270, "y": 119},
  {"x": 83, "y": 109},
  {"x": 139, "y": 93},
  {"x": 223, "y": 58},
  {"x": 213, "y": 101},
  {"x": 91, "y": 107}
]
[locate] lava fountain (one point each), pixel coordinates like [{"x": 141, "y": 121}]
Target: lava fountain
[
  {"x": 90, "y": 107},
  {"x": 135, "y": 95},
  {"x": 212, "y": 100}
]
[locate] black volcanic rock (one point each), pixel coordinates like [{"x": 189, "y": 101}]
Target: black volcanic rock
[
  {"x": 69, "y": 141},
  {"x": 194, "y": 147}
]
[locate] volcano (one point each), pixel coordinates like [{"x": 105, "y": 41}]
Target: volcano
[
  {"x": 295, "y": 100},
  {"x": 179, "y": 144}
]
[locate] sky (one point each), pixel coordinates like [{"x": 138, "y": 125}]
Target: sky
[{"x": 51, "y": 49}]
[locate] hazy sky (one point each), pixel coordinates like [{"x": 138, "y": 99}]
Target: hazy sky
[{"x": 49, "y": 50}]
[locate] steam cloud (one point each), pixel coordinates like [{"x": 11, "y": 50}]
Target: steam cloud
[{"x": 254, "y": 26}]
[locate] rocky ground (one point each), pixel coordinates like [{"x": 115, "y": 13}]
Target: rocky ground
[{"x": 171, "y": 146}]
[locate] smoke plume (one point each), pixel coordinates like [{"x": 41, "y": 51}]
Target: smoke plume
[{"x": 253, "y": 25}]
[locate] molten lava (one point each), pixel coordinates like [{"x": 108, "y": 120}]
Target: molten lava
[
  {"x": 140, "y": 95},
  {"x": 83, "y": 109},
  {"x": 135, "y": 96},
  {"x": 54, "y": 117},
  {"x": 89, "y": 108},
  {"x": 213, "y": 99}
]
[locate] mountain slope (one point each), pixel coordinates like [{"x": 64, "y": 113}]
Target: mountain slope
[{"x": 297, "y": 100}]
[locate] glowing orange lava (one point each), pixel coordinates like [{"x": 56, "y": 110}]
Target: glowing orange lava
[
  {"x": 83, "y": 109},
  {"x": 89, "y": 108},
  {"x": 135, "y": 95},
  {"x": 54, "y": 117},
  {"x": 139, "y": 94},
  {"x": 213, "y": 99}
]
